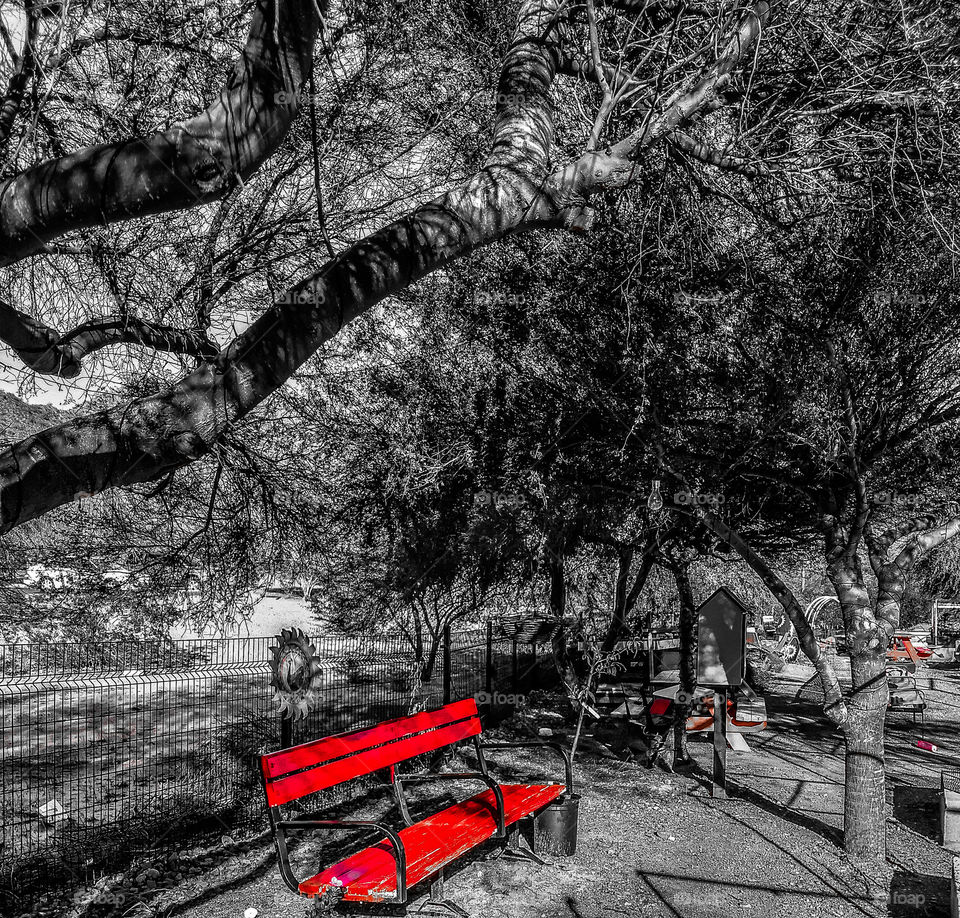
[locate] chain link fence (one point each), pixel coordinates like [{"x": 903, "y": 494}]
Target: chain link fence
[{"x": 114, "y": 749}]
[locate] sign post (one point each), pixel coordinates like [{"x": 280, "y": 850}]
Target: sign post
[
  {"x": 719, "y": 787},
  {"x": 721, "y": 665}
]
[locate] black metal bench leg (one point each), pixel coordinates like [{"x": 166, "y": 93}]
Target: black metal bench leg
[
  {"x": 513, "y": 848},
  {"x": 438, "y": 900}
]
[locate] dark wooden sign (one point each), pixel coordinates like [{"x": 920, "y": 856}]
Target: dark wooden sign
[{"x": 721, "y": 641}]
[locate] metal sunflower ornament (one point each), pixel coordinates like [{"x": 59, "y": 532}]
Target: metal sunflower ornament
[{"x": 296, "y": 674}]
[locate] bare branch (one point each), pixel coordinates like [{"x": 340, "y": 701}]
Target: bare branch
[
  {"x": 713, "y": 157},
  {"x": 46, "y": 351},
  {"x": 564, "y": 200}
]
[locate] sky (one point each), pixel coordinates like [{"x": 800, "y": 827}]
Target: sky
[{"x": 32, "y": 388}]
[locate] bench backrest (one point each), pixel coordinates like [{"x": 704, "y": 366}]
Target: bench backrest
[{"x": 310, "y": 767}]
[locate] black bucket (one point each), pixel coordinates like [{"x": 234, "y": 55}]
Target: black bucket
[{"x": 555, "y": 828}]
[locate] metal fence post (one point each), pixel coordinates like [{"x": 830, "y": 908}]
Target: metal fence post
[
  {"x": 447, "y": 675},
  {"x": 490, "y": 660}
]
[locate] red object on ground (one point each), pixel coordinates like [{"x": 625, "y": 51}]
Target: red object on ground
[
  {"x": 659, "y": 706},
  {"x": 903, "y": 649},
  {"x": 924, "y": 744}
]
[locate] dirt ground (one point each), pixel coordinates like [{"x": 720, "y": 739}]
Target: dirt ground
[{"x": 652, "y": 843}]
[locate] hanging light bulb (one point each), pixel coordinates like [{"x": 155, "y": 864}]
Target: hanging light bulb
[{"x": 655, "y": 500}]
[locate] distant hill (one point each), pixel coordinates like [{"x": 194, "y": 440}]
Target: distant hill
[{"x": 19, "y": 419}]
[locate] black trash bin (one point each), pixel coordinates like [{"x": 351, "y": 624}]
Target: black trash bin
[{"x": 555, "y": 828}]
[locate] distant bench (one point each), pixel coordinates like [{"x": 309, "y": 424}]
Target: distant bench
[
  {"x": 387, "y": 870},
  {"x": 904, "y": 696}
]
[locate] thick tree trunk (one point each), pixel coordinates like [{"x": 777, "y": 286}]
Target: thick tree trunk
[
  {"x": 430, "y": 663},
  {"x": 617, "y": 623},
  {"x": 865, "y": 785},
  {"x": 864, "y": 802},
  {"x": 561, "y": 637}
]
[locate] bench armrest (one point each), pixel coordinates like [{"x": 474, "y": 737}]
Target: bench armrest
[
  {"x": 568, "y": 765},
  {"x": 301, "y": 825},
  {"x": 460, "y": 775}
]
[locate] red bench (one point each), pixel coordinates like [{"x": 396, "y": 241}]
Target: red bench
[{"x": 387, "y": 870}]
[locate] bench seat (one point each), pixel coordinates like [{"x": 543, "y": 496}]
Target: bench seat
[{"x": 371, "y": 875}]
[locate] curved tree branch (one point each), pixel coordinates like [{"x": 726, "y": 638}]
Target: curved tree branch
[
  {"x": 46, "y": 351},
  {"x": 190, "y": 163},
  {"x": 833, "y": 703},
  {"x": 925, "y": 535},
  {"x": 713, "y": 157}
]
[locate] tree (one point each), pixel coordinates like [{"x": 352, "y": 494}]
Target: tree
[
  {"x": 517, "y": 189},
  {"x": 850, "y": 420},
  {"x": 774, "y": 149}
]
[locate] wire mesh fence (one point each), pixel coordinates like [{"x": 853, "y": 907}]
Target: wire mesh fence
[{"x": 117, "y": 748}]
